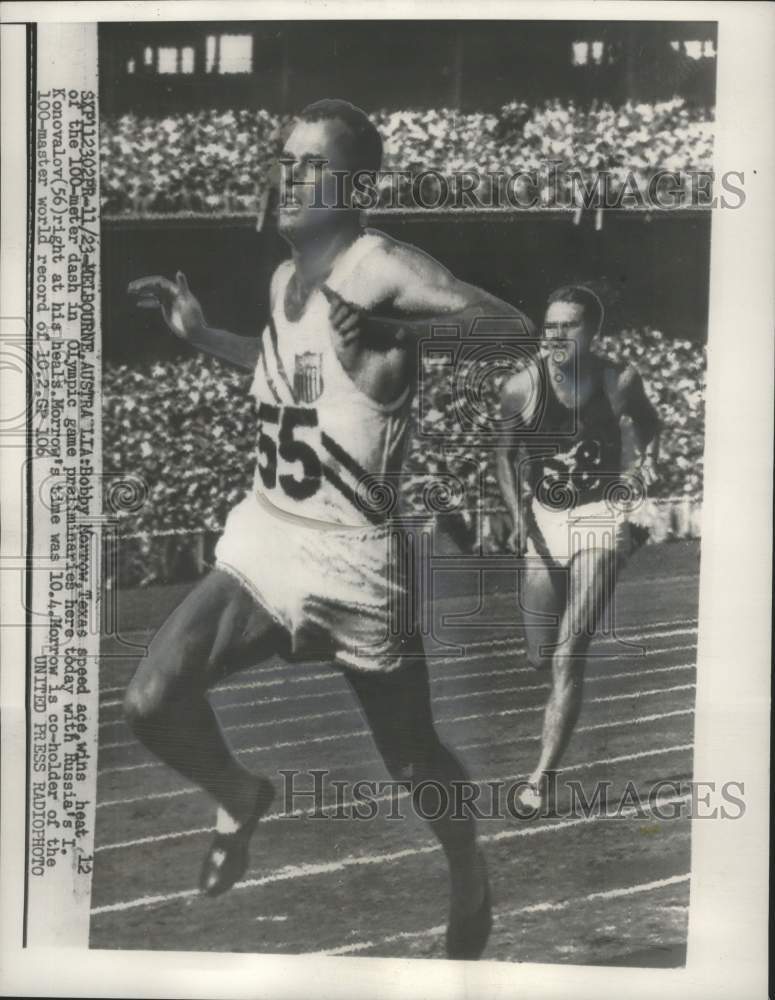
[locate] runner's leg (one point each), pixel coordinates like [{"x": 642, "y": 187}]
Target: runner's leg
[
  {"x": 542, "y": 589},
  {"x": 542, "y": 594},
  {"x": 397, "y": 707},
  {"x": 591, "y": 580},
  {"x": 217, "y": 629}
]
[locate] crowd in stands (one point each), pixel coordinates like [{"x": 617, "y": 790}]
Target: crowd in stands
[
  {"x": 185, "y": 432},
  {"x": 218, "y": 162}
]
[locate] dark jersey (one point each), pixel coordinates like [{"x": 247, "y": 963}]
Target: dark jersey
[{"x": 575, "y": 457}]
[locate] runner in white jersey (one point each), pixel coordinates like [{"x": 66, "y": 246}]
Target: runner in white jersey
[
  {"x": 301, "y": 385},
  {"x": 327, "y": 458},
  {"x": 308, "y": 560}
]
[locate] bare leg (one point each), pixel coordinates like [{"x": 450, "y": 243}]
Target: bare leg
[
  {"x": 398, "y": 710},
  {"x": 216, "y": 630},
  {"x": 590, "y": 584},
  {"x": 542, "y": 596}
]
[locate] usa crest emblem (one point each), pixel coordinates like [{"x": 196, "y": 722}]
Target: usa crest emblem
[{"x": 308, "y": 377}]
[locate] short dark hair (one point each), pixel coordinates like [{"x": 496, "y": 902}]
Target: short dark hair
[
  {"x": 581, "y": 295},
  {"x": 367, "y": 143}
]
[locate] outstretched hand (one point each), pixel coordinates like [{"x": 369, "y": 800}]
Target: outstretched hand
[{"x": 179, "y": 306}]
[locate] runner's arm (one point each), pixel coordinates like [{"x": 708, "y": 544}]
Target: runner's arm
[
  {"x": 415, "y": 290},
  {"x": 511, "y": 461},
  {"x": 184, "y": 316},
  {"x": 646, "y": 425}
]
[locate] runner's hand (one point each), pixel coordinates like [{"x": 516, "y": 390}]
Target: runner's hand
[
  {"x": 649, "y": 472},
  {"x": 179, "y": 307},
  {"x": 355, "y": 324},
  {"x": 348, "y": 320},
  {"x": 507, "y": 534},
  {"x": 518, "y": 538},
  {"x": 514, "y": 542}
]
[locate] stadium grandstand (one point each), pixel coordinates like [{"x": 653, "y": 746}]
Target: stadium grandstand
[
  {"x": 191, "y": 117},
  {"x": 191, "y": 120}
]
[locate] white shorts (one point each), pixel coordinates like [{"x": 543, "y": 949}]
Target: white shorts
[
  {"x": 558, "y": 535},
  {"x": 320, "y": 582}
]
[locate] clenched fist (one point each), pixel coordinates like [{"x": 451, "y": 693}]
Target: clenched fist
[
  {"x": 353, "y": 323},
  {"x": 348, "y": 320},
  {"x": 508, "y": 535}
]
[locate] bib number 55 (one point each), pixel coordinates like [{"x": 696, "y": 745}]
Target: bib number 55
[{"x": 277, "y": 427}]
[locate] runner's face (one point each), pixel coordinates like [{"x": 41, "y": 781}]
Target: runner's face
[
  {"x": 308, "y": 196},
  {"x": 566, "y": 321}
]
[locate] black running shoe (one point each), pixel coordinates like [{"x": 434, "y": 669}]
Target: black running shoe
[
  {"x": 227, "y": 858},
  {"x": 467, "y": 935}
]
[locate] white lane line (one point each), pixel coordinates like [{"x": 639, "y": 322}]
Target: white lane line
[
  {"x": 270, "y": 817},
  {"x": 486, "y": 693},
  {"x": 293, "y": 872},
  {"x": 474, "y": 650},
  {"x": 648, "y": 629},
  {"x": 435, "y": 680},
  {"x": 280, "y": 699},
  {"x": 333, "y": 674},
  {"x": 145, "y": 629},
  {"x": 519, "y": 911},
  {"x": 361, "y": 733},
  {"x": 330, "y": 674},
  {"x": 636, "y": 721},
  {"x": 539, "y": 708}
]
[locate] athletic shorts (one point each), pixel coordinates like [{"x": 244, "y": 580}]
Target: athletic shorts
[
  {"x": 558, "y": 535},
  {"x": 327, "y": 585}
]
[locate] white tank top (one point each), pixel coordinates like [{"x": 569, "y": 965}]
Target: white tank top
[{"x": 325, "y": 450}]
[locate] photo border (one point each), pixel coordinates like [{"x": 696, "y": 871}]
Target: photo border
[{"x": 727, "y": 945}]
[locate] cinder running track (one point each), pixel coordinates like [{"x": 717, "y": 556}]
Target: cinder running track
[{"x": 566, "y": 888}]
